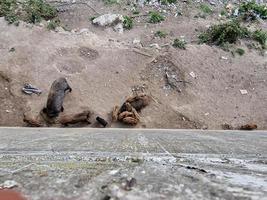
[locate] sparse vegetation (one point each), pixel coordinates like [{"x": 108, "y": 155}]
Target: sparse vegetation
[
  {"x": 240, "y": 51},
  {"x": 37, "y": 10},
  {"x": 155, "y": 17},
  {"x": 252, "y": 10},
  {"x": 220, "y": 34},
  {"x": 31, "y": 11},
  {"x": 92, "y": 18},
  {"x": 261, "y": 37},
  {"x": 229, "y": 32},
  {"x": 205, "y": 9},
  {"x": 177, "y": 43},
  {"x": 165, "y": 2},
  {"x": 53, "y": 24},
  {"x": 161, "y": 34},
  {"x": 8, "y": 10},
  {"x": 111, "y": 1},
  {"x": 127, "y": 22},
  {"x": 135, "y": 12},
  {"x": 223, "y": 12}
]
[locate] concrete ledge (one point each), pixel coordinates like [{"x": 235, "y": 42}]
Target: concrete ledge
[{"x": 52, "y": 163}]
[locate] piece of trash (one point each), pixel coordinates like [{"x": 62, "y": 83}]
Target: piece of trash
[
  {"x": 243, "y": 92},
  {"x": 7, "y": 111},
  {"x": 102, "y": 121},
  {"x": 29, "y": 89},
  {"x": 193, "y": 75},
  {"x": 8, "y": 184},
  {"x": 224, "y": 58},
  {"x": 206, "y": 114}
]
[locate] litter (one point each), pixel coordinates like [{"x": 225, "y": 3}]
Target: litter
[
  {"x": 243, "y": 92},
  {"x": 193, "y": 74},
  {"x": 29, "y": 89}
]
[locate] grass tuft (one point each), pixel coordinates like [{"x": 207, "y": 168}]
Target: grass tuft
[{"x": 155, "y": 17}]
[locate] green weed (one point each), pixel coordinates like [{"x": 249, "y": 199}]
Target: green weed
[
  {"x": 161, "y": 34},
  {"x": 179, "y": 44},
  {"x": 240, "y": 51},
  {"x": 205, "y": 9},
  {"x": 127, "y": 22},
  {"x": 155, "y": 17},
  {"x": 220, "y": 34}
]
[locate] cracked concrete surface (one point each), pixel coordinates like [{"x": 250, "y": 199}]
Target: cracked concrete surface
[{"x": 166, "y": 164}]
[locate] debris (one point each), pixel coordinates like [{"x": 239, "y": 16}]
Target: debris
[
  {"x": 108, "y": 20},
  {"x": 195, "y": 168},
  {"x": 193, "y": 75},
  {"x": 8, "y": 111},
  {"x": 248, "y": 127},
  {"x": 142, "y": 53},
  {"x": 224, "y": 58},
  {"x": 8, "y": 184},
  {"x": 172, "y": 81},
  {"x": 137, "y": 43},
  {"x": 101, "y": 121},
  {"x": 243, "y": 92},
  {"x": 30, "y": 89}
]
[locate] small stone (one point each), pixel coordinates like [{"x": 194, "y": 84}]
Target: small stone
[
  {"x": 193, "y": 75},
  {"x": 136, "y": 41},
  {"x": 224, "y": 58},
  {"x": 205, "y": 127},
  {"x": 243, "y": 92},
  {"x": 118, "y": 28}
]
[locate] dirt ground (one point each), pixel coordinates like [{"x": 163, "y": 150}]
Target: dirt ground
[{"x": 103, "y": 66}]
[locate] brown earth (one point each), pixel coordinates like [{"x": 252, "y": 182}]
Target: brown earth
[{"x": 103, "y": 67}]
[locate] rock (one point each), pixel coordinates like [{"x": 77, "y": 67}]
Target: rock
[
  {"x": 108, "y": 20},
  {"x": 119, "y": 28},
  {"x": 137, "y": 43},
  {"x": 8, "y": 184}
]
